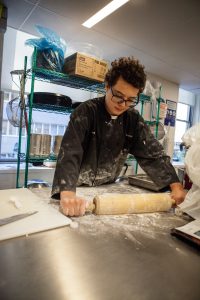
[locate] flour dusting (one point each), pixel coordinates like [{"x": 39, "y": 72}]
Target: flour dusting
[{"x": 134, "y": 227}]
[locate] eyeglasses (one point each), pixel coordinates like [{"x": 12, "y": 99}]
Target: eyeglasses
[{"x": 130, "y": 102}]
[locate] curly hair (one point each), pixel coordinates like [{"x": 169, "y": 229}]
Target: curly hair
[{"x": 129, "y": 69}]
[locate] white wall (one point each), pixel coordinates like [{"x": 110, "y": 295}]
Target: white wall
[
  {"x": 196, "y": 116},
  {"x": 8, "y": 58},
  {"x": 186, "y": 97}
]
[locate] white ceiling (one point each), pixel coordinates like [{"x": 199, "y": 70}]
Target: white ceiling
[{"x": 163, "y": 34}]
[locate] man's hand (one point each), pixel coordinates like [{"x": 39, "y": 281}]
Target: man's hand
[
  {"x": 177, "y": 192},
  {"x": 71, "y": 205}
]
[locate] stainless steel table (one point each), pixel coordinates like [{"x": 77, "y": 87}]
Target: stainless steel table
[{"x": 105, "y": 258}]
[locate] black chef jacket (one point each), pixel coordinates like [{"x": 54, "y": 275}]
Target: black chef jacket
[{"x": 95, "y": 147}]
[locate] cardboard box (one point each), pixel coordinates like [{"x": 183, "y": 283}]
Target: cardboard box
[{"x": 86, "y": 66}]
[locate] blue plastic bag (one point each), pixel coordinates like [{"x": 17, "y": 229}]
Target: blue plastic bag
[{"x": 50, "y": 49}]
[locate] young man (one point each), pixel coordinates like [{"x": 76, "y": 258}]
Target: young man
[{"x": 101, "y": 133}]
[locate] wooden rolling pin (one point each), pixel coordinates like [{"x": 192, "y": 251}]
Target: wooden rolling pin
[{"x": 116, "y": 204}]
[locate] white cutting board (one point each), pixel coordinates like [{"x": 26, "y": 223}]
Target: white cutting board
[{"x": 46, "y": 218}]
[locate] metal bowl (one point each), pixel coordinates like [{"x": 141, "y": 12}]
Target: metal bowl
[{"x": 37, "y": 185}]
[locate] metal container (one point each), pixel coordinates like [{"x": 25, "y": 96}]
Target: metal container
[
  {"x": 40, "y": 145},
  {"x": 35, "y": 142},
  {"x": 51, "y": 99},
  {"x": 45, "y": 147},
  {"x": 143, "y": 181},
  {"x": 37, "y": 183},
  {"x": 57, "y": 143}
]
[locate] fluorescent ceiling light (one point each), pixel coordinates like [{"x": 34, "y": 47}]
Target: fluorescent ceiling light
[{"x": 104, "y": 12}]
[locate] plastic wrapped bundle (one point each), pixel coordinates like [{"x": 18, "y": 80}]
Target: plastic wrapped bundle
[
  {"x": 192, "y": 162},
  {"x": 50, "y": 49},
  {"x": 191, "y": 138},
  {"x": 192, "y": 135},
  {"x": 49, "y": 59}
]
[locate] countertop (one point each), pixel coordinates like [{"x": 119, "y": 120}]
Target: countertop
[{"x": 104, "y": 258}]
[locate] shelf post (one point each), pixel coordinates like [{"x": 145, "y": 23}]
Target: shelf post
[
  {"x": 141, "y": 112},
  {"x": 22, "y": 113},
  {"x": 30, "y": 117},
  {"x": 158, "y": 112}
]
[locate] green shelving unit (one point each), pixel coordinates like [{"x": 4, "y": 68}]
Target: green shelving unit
[
  {"x": 52, "y": 108},
  {"x": 66, "y": 80},
  {"x": 53, "y": 77}
]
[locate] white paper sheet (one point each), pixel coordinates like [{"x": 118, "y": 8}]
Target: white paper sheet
[{"x": 191, "y": 229}]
